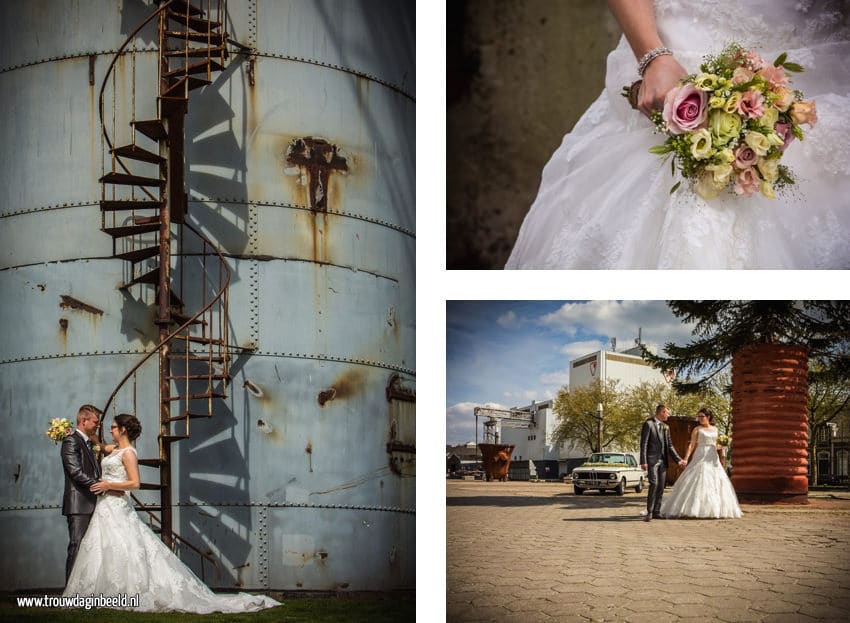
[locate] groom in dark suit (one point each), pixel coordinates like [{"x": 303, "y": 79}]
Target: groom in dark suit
[
  {"x": 655, "y": 446},
  {"x": 81, "y": 472}
]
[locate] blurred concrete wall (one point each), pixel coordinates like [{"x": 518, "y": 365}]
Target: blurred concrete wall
[{"x": 520, "y": 74}]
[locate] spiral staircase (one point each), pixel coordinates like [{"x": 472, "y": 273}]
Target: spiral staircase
[{"x": 143, "y": 208}]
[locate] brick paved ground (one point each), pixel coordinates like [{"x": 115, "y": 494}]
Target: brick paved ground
[{"x": 535, "y": 552}]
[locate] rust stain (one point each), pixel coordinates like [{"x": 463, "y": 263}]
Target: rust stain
[
  {"x": 319, "y": 158},
  {"x": 346, "y": 386},
  {"x": 63, "y": 333},
  {"x": 69, "y": 302}
]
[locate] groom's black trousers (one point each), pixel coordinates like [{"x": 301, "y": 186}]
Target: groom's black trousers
[
  {"x": 77, "y": 526},
  {"x": 657, "y": 475}
]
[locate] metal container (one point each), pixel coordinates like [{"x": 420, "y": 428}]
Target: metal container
[{"x": 304, "y": 478}]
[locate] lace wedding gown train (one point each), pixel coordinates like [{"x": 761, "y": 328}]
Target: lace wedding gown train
[
  {"x": 604, "y": 200},
  {"x": 703, "y": 489},
  {"x": 120, "y": 555}
]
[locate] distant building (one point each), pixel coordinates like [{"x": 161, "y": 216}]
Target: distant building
[{"x": 536, "y": 444}]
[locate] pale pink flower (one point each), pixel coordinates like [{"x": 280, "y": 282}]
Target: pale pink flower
[
  {"x": 741, "y": 75},
  {"x": 776, "y": 76},
  {"x": 751, "y": 104},
  {"x": 755, "y": 61},
  {"x": 685, "y": 109},
  {"x": 747, "y": 182},
  {"x": 745, "y": 157}
]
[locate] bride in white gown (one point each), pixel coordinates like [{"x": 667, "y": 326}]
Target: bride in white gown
[
  {"x": 604, "y": 200},
  {"x": 703, "y": 490},
  {"x": 120, "y": 555}
]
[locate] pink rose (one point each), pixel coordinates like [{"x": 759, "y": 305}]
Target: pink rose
[
  {"x": 685, "y": 109},
  {"x": 804, "y": 112},
  {"x": 747, "y": 182},
  {"x": 785, "y": 133},
  {"x": 745, "y": 157},
  {"x": 751, "y": 104}
]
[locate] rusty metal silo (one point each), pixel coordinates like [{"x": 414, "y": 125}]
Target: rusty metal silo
[{"x": 290, "y": 453}]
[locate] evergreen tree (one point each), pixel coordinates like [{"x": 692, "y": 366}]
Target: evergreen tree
[{"x": 722, "y": 328}]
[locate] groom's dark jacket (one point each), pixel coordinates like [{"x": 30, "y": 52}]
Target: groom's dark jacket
[
  {"x": 81, "y": 472},
  {"x": 656, "y": 444}
]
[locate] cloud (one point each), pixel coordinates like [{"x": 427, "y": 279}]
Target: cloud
[
  {"x": 460, "y": 421},
  {"x": 574, "y": 350},
  {"x": 507, "y": 319},
  {"x": 620, "y": 319}
]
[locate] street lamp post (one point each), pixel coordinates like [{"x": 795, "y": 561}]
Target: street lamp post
[{"x": 599, "y": 427}]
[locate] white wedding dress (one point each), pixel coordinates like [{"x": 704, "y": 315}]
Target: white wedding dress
[
  {"x": 703, "y": 489},
  {"x": 120, "y": 555},
  {"x": 604, "y": 200}
]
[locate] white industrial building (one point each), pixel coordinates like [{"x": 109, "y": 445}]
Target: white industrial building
[{"x": 535, "y": 451}]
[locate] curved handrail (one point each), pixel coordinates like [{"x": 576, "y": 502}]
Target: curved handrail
[
  {"x": 182, "y": 326},
  {"x": 120, "y": 51}
]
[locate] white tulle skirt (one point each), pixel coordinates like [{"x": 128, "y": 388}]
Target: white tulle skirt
[
  {"x": 120, "y": 555},
  {"x": 703, "y": 490}
]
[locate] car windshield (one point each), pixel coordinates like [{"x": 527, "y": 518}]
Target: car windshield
[{"x": 607, "y": 458}]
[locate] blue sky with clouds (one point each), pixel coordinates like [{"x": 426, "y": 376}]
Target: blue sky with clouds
[{"x": 508, "y": 353}]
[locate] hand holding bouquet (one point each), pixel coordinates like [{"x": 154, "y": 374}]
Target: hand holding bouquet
[
  {"x": 730, "y": 124},
  {"x": 59, "y": 429}
]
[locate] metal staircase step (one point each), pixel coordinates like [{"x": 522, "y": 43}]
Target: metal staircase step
[
  {"x": 196, "y": 357},
  {"x": 211, "y": 52},
  {"x": 151, "y": 462},
  {"x": 130, "y": 180},
  {"x": 177, "y": 87},
  {"x": 195, "y": 23},
  {"x": 182, "y": 6},
  {"x": 145, "y": 220},
  {"x": 179, "y": 319},
  {"x": 197, "y": 339},
  {"x": 138, "y": 255},
  {"x": 131, "y": 230},
  {"x": 173, "y": 437},
  {"x": 203, "y": 396},
  {"x": 197, "y": 377},
  {"x": 194, "y": 68},
  {"x": 214, "y": 38},
  {"x": 191, "y": 416},
  {"x": 113, "y": 206},
  {"x": 151, "y": 277},
  {"x": 134, "y": 152},
  {"x": 152, "y": 128},
  {"x": 169, "y": 105},
  {"x": 149, "y": 486}
]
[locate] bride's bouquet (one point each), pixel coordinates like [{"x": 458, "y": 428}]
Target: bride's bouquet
[
  {"x": 730, "y": 124},
  {"x": 59, "y": 429}
]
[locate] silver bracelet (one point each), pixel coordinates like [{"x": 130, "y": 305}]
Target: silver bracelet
[{"x": 650, "y": 56}]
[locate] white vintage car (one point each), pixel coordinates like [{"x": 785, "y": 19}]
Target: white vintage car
[{"x": 609, "y": 470}]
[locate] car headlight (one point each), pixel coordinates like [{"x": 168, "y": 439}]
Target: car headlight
[
  {"x": 575, "y": 476},
  {"x": 612, "y": 476}
]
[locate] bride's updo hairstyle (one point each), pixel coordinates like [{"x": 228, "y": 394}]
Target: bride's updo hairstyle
[
  {"x": 708, "y": 413},
  {"x": 129, "y": 423}
]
